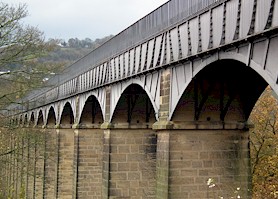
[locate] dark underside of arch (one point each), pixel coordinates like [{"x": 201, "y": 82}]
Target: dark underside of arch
[
  {"x": 91, "y": 114},
  {"x": 226, "y": 90},
  {"x": 134, "y": 107},
  {"x": 67, "y": 118},
  {"x": 51, "y": 121},
  {"x": 40, "y": 119}
]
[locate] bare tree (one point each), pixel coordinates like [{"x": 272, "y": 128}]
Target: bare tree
[
  {"x": 21, "y": 71},
  {"x": 20, "y": 48}
]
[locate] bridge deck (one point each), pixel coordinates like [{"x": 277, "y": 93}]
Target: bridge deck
[{"x": 178, "y": 30}]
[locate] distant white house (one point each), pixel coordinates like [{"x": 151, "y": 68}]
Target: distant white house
[{"x": 4, "y": 72}]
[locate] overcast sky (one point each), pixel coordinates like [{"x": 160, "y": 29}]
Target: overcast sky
[{"x": 64, "y": 19}]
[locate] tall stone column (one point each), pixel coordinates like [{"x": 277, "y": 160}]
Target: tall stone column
[
  {"x": 106, "y": 147},
  {"x": 65, "y": 163},
  {"x": 75, "y": 164},
  {"x": 129, "y": 152},
  {"x": 209, "y": 163},
  {"x": 206, "y": 159},
  {"x": 162, "y": 164},
  {"x": 51, "y": 163},
  {"x": 106, "y": 164},
  {"x": 162, "y": 127}
]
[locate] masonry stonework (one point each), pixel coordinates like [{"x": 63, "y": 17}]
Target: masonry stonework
[
  {"x": 209, "y": 164},
  {"x": 89, "y": 175},
  {"x": 65, "y": 166},
  {"x": 162, "y": 166},
  {"x": 50, "y": 164},
  {"x": 192, "y": 155},
  {"x": 132, "y": 164},
  {"x": 175, "y": 91}
]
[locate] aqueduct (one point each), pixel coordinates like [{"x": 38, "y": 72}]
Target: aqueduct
[{"x": 160, "y": 108}]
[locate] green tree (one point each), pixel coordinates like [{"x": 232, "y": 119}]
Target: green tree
[{"x": 264, "y": 146}]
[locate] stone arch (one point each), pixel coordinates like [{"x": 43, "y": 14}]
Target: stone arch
[
  {"x": 12, "y": 121},
  {"x": 67, "y": 116},
  {"x": 91, "y": 115},
  {"x": 21, "y": 120},
  {"x": 40, "y": 118},
  {"x": 32, "y": 119},
  {"x": 242, "y": 57},
  {"x": 142, "y": 82},
  {"x": 134, "y": 107},
  {"x": 25, "y": 120},
  {"x": 16, "y": 122},
  {"x": 222, "y": 90},
  {"x": 51, "y": 117},
  {"x": 61, "y": 106},
  {"x": 99, "y": 95}
]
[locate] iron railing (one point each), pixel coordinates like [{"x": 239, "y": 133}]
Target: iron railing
[{"x": 161, "y": 19}]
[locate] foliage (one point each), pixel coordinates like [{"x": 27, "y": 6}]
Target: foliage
[
  {"x": 18, "y": 150},
  {"x": 264, "y": 142},
  {"x": 85, "y": 43},
  {"x": 26, "y": 62},
  {"x": 26, "y": 59},
  {"x": 67, "y": 52},
  {"x": 21, "y": 71},
  {"x": 20, "y": 47}
]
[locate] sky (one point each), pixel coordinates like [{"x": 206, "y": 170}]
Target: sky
[{"x": 64, "y": 19}]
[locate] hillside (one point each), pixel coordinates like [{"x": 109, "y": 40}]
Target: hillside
[{"x": 67, "y": 52}]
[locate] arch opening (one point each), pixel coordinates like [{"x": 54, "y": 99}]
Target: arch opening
[
  {"x": 12, "y": 122},
  {"x": 25, "y": 121},
  {"x": 51, "y": 120},
  {"x": 134, "y": 108},
  {"x": 91, "y": 115},
  {"x": 16, "y": 121},
  {"x": 223, "y": 91},
  {"x": 32, "y": 120},
  {"x": 21, "y": 120},
  {"x": 40, "y": 122},
  {"x": 67, "y": 118}
]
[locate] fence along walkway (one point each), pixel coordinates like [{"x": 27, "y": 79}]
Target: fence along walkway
[{"x": 96, "y": 66}]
